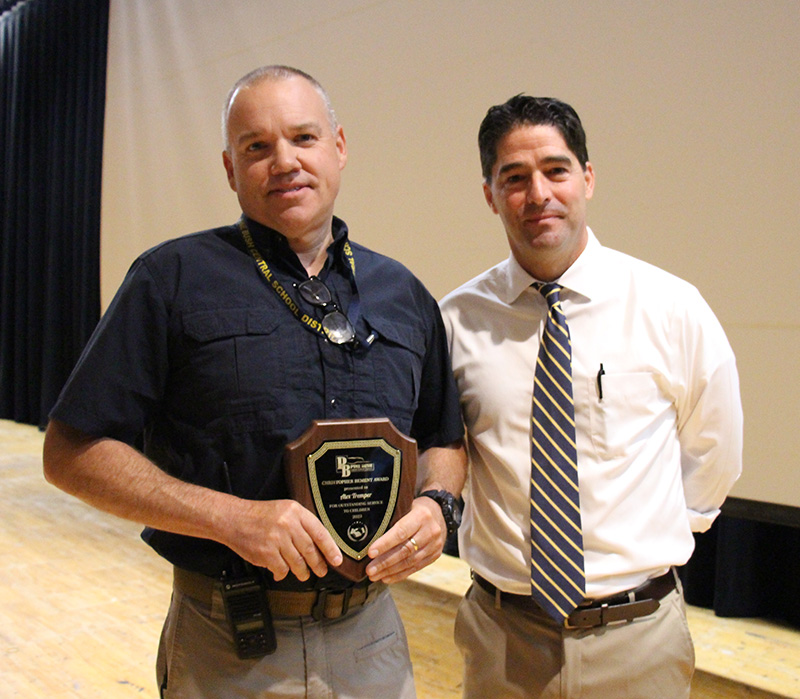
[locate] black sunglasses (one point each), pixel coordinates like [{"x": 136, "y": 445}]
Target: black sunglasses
[{"x": 337, "y": 327}]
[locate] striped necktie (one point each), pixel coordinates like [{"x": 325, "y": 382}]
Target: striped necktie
[{"x": 558, "y": 582}]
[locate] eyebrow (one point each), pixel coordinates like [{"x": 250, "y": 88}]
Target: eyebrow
[
  {"x": 246, "y": 136},
  {"x": 308, "y": 126}
]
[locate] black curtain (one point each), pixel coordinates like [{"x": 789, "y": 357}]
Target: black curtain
[
  {"x": 748, "y": 563},
  {"x": 52, "y": 82}
]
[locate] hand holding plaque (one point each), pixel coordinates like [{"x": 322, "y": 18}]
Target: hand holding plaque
[{"x": 358, "y": 477}]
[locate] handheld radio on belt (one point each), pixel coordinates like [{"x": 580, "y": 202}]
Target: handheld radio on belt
[{"x": 247, "y": 609}]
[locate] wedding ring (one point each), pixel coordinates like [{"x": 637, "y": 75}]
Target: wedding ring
[{"x": 414, "y": 544}]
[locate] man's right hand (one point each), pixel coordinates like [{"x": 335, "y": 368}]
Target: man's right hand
[{"x": 282, "y": 536}]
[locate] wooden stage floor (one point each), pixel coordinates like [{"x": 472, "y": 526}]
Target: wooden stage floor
[{"x": 82, "y": 600}]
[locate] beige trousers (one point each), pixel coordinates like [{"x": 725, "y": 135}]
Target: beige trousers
[
  {"x": 363, "y": 655},
  {"x": 511, "y": 654}
]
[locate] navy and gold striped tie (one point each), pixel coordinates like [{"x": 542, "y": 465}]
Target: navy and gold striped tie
[{"x": 558, "y": 581}]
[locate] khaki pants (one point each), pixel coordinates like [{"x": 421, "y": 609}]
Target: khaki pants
[
  {"x": 511, "y": 654},
  {"x": 361, "y": 655}
]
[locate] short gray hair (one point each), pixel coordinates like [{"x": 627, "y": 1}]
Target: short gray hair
[{"x": 274, "y": 72}]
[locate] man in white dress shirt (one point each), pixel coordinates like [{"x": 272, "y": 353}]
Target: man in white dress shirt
[{"x": 658, "y": 426}]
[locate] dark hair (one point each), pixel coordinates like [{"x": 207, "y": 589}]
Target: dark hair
[{"x": 534, "y": 111}]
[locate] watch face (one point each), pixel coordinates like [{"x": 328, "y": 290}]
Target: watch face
[
  {"x": 450, "y": 508},
  {"x": 456, "y": 517},
  {"x": 451, "y": 512}
]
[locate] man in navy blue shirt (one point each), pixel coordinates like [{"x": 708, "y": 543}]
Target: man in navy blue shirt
[{"x": 219, "y": 349}]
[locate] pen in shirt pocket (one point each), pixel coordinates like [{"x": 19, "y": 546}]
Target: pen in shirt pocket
[{"x": 600, "y": 373}]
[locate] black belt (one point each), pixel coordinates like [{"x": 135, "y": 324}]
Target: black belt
[
  {"x": 328, "y": 604},
  {"x": 624, "y": 606}
]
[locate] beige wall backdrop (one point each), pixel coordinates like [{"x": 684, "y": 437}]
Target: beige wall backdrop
[{"x": 690, "y": 106}]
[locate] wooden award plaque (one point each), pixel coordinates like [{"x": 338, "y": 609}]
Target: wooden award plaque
[{"x": 358, "y": 477}]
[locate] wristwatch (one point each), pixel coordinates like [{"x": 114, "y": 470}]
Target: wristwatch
[{"x": 451, "y": 510}]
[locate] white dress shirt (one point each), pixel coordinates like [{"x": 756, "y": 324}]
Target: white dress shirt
[{"x": 657, "y": 454}]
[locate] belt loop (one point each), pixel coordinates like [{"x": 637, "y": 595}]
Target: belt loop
[
  {"x": 318, "y": 610},
  {"x": 348, "y": 593}
]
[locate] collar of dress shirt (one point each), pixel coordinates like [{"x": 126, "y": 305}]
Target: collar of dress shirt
[{"x": 581, "y": 278}]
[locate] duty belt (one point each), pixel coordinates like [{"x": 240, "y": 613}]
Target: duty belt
[{"x": 324, "y": 603}]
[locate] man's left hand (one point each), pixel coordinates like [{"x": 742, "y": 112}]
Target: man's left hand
[{"x": 416, "y": 540}]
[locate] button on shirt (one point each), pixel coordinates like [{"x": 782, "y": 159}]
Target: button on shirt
[{"x": 657, "y": 454}]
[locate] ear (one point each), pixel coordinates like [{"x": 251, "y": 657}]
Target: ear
[
  {"x": 341, "y": 147},
  {"x": 228, "y": 163},
  {"x": 487, "y": 193},
  {"x": 588, "y": 178}
]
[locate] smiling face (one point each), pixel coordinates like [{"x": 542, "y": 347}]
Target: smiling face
[
  {"x": 539, "y": 190},
  {"x": 284, "y": 159}
]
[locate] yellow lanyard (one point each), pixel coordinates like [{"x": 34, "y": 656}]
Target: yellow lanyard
[{"x": 311, "y": 323}]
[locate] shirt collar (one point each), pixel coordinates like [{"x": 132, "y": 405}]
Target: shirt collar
[
  {"x": 272, "y": 244},
  {"x": 341, "y": 234},
  {"x": 581, "y": 277}
]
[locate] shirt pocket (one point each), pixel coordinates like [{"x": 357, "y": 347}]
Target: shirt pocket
[
  {"x": 397, "y": 358},
  {"x": 625, "y": 414},
  {"x": 236, "y": 354}
]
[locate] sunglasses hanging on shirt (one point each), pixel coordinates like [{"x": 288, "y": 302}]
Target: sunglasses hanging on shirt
[{"x": 335, "y": 325}]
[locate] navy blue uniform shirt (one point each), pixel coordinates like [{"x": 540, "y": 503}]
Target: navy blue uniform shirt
[{"x": 200, "y": 364}]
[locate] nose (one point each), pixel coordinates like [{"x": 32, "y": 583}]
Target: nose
[
  {"x": 284, "y": 158},
  {"x": 539, "y": 190}
]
